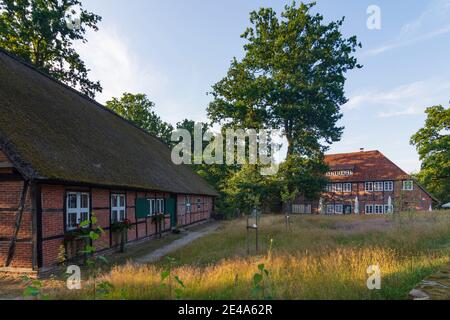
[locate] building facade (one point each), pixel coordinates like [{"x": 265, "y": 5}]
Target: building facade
[
  {"x": 65, "y": 158},
  {"x": 366, "y": 183}
]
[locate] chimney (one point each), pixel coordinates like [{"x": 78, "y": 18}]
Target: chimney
[{"x": 361, "y": 149}]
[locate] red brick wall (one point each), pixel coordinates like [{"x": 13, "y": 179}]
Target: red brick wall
[
  {"x": 53, "y": 215},
  {"x": 9, "y": 203},
  {"x": 416, "y": 199}
]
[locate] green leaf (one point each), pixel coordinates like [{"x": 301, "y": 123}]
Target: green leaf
[
  {"x": 257, "y": 278},
  {"x": 261, "y": 267},
  {"x": 164, "y": 275},
  {"x": 85, "y": 224},
  {"x": 179, "y": 281},
  {"x": 94, "y": 220}
]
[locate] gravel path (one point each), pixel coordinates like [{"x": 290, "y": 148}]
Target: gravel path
[{"x": 177, "y": 244}]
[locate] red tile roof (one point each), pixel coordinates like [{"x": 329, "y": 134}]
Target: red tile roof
[{"x": 366, "y": 166}]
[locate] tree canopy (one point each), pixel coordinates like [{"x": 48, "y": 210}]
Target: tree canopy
[
  {"x": 138, "y": 109},
  {"x": 37, "y": 31},
  {"x": 292, "y": 78},
  {"x": 433, "y": 145}
]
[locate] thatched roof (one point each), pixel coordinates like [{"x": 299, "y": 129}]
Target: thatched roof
[{"x": 54, "y": 133}]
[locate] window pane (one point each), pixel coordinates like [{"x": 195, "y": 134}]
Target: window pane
[
  {"x": 122, "y": 201},
  {"x": 84, "y": 216},
  {"x": 72, "y": 201},
  {"x": 113, "y": 201},
  {"x": 84, "y": 201},
  {"x": 72, "y": 223},
  {"x": 122, "y": 215}
]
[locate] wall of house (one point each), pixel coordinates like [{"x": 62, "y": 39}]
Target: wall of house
[
  {"x": 54, "y": 215},
  {"x": 10, "y": 192},
  {"x": 416, "y": 199}
]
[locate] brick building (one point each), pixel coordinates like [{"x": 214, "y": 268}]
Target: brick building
[
  {"x": 366, "y": 183},
  {"x": 63, "y": 157}
]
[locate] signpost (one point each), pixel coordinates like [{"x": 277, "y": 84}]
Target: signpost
[{"x": 255, "y": 216}]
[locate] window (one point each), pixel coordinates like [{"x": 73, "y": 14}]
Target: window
[
  {"x": 408, "y": 185},
  {"x": 388, "y": 209},
  {"x": 379, "y": 209},
  {"x": 339, "y": 209},
  {"x": 77, "y": 208},
  {"x": 301, "y": 209},
  {"x": 330, "y": 209},
  {"x": 118, "y": 208},
  {"x": 347, "y": 187},
  {"x": 152, "y": 207},
  {"x": 389, "y": 186},
  {"x": 369, "y": 186},
  {"x": 369, "y": 209},
  {"x": 338, "y": 187},
  {"x": 160, "y": 206},
  {"x": 378, "y": 186},
  {"x": 199, "y": 204},
  {"x": 188, "y": 205},
  {"x": 329, "y": 188}
]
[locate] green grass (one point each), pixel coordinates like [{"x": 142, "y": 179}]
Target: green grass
[{"x": 322, "y": 257}]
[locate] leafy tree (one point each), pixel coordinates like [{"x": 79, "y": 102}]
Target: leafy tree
[
  {"x": 37, "y": 31},
  {"x": 433, "y": 144},
  {"x": 292, "y": 77},
  {"x": 138, "y": 109}
]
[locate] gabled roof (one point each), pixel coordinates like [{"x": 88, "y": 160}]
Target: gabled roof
[
  {"x": 366, "y": 166},
  {"x": 52, "y": 132}
]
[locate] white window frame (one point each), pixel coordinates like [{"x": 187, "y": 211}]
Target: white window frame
[
  {"x": 378, "y": 186},
  {"x": 386, "y": 209},
  {"x": 389, "y": 186},
  {"x": 371, "y": 211},
  {"x": 78, "y": 211},
  {"x": 329, "y": 188},
  {"x": 367, "y": 188},
  {"x": 160, "y": 206},
  {"x": 188, "y": 206},
  {"x": 152, "y": 207},
  {"x": 406, "y": 187},
  {"x": 338, "y": 187},
  {"x": 117, "y": 208},
  {"x": 330, "y": 206},
  {"x": 378, "y": 209},
  {"x": 347, "y": 187},
  {"x": 339, "y": 209}
]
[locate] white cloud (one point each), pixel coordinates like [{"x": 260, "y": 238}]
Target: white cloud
[
  {"x": 433, "y": 22},
  {"x": 408, "y": 99},
  {"x": 119, "y": 70}
]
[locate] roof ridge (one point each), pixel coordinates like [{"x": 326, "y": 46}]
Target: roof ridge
[
  {"x": 98, "y": 104},
  {"x": 348, "y": 153}
]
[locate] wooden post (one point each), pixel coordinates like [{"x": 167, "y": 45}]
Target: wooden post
[{"x": 19, "y": 216}]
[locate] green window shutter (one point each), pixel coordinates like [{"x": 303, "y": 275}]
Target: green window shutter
[{"x": 142, "y": 208}]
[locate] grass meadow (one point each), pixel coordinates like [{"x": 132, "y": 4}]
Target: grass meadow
[{"x": 320, "y": 257}]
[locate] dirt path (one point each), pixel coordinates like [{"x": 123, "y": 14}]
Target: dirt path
[{"x": 175, "y": 245}]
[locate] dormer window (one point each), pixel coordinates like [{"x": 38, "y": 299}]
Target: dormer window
[
  {"x": 340, "y": 173},
  {"x": 408, "y": 185}
]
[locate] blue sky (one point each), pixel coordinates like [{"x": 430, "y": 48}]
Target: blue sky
[{"x": 174, "y": 51}]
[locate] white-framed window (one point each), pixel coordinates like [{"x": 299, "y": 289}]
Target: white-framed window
[
  {"x": 118, "y": 208},
  {"x": 77, "y": 209},
  {"x": 301, "y": 209},
  {"x": 329, "y": 188},
  {"x": 388, "y": 209},
  {"x": 408, "y": 185},
  {"x": 378, "y": 186},
  {"x": 160, "y": 206},
  {"x": 389, "y": 186},
  {"x": 369, "y": 209},
  {"x": 152, "y": 207},
  {"x": 378, "y": 209},
  {"x": 188, "y": 205},
  {"x": 338, "y": 187},
  {"x": 339, "y": 209},
  {"x": 369, "y": 186},
  {"x": 347, "y": 187},
  {"x": 330, "y": 208}
]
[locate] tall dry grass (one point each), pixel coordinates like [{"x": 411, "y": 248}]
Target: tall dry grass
[{"x": 319, "y": 258}]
